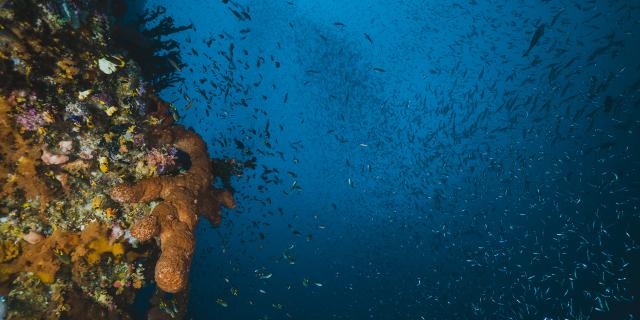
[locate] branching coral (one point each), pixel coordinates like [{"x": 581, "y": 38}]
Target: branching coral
[{"x": 175, "y": 218}]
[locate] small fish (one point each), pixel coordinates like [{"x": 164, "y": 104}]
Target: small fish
[
  {"x": 189, "y": 102},
  {"x": 221, "y": 302},
  {"x": 266, "y": 276},
  {"x": 608, "y": 104},
  {"x": 555, "y": 18},
  {"x": 379, "y": 70},
  {"x": 534, "y": 40},
  {"x": 368, "y": 37},
  {"x": 174, "y": 64},
  {"x": 237, "y": 14}
]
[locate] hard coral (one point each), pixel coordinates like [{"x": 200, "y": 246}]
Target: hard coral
[{"x": 175, "y": 218}]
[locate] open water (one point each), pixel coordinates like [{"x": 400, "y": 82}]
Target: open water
[{"x": 417, "y": 159}]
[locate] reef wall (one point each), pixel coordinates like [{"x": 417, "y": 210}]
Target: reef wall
[{"x": 93, "y": 168}]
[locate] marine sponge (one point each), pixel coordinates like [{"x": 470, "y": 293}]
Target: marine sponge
[
  {"x": 46, "y": 257},
  {"x": 210, "y": 202},
  {"x": 175, "y": 218},
  {"x": 19, "y": 157}
]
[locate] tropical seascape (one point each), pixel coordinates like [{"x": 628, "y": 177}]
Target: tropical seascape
[{"x": 319, "y": 159}]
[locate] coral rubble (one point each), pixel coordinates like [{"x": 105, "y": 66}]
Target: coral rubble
[{"x": 92, "y": 167}]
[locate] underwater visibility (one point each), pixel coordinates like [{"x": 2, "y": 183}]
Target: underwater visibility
[{"x": 306, "y": 159}]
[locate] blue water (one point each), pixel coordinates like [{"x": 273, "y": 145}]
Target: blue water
[{"x": 436, "y": 172}]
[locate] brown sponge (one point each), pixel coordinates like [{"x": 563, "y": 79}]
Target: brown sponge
[{"x": 175, "y": 218}]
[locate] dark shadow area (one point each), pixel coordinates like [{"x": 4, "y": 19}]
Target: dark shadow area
[{"x": 142, "y": 33}]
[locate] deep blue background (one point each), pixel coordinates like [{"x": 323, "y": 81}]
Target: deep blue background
[{"x": 460, "y": 180}]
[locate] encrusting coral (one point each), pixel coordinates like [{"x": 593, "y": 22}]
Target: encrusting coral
[
  {"x": 19, "y": 160},
  {"x": 184, "y": 196},
  {"x": 46, "y": 257}
]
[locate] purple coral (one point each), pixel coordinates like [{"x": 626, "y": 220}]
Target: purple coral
[
  {"x": 161, "y": 159},
  {"x": 30, "y": 119},
  {"x": 103, "y": 99}
]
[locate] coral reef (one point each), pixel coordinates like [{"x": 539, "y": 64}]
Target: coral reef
[
  {"x": 161, "y": 160},
  {"x": 19, "y": 160},
  {"x": 175, "y": 218},
  {"x": 92, "y": 165}
]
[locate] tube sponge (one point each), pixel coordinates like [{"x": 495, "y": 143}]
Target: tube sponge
[{"x": 175, "y": 218}]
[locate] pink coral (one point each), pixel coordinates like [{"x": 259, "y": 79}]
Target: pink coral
[
  {"x": 160, "y": 159},
  {"x": 32, "y": 237},
  {"x": 65, "y": 146},
  {"x": 116, "y": 233},
  {"x": 30, "y": 120},
  {"x": 51, "y": 158}
]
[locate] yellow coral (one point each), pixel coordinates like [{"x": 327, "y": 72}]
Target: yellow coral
[
  {"x": 111, "y": 110},
  {"x": 104, "y": 164},
  {"x": 8, "y": 251},
  {"x": 67, "y": 69},
  {"x": 100, "y": 246},
  {"x": 97, "y": 202},
  {"x": 45, "y": 258},
  {"x": 111, "y": 212},
  {"x": 108, "y": 137},
  {"x": 45, "y": 277}
]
